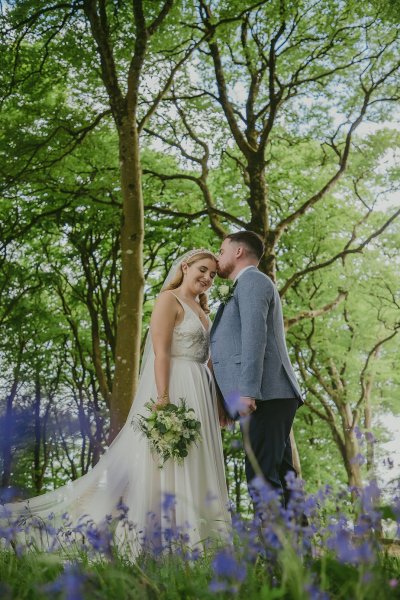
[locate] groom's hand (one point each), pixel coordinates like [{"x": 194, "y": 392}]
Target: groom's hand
[{"x": 247, "y": 406}]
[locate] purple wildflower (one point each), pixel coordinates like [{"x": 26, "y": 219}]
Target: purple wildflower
[
  {"x": 71, "y": 582},
  {"x": 221, "y": 586},
  {"x": 123, "y": 509},
  {"x": 314, "y": 593},
  {"x": 358, "y": 432},
  {"x": 169, "y": 502},
  {"x": 229, "y": 573},
  {"x": 99, "y": 538},
  {"x": 369, "y": 436},
  {"x": 358, "y": 459},
  {"x": 226, "y": 566}
]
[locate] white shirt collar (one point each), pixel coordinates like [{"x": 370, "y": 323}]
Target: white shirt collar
[{"x": 242, "y": 271}]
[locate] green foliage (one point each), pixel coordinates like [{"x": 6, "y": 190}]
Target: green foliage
[
  {"x": 61, "y": 199},
  {"x": 31, "y": 576}
]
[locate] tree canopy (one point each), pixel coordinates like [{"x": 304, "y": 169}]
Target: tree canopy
[{"x": 132, "y": 132}]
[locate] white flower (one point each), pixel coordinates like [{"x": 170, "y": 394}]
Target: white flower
[
  {"x": 170, "y": 431},
  {"x": 223, "y": 290}
]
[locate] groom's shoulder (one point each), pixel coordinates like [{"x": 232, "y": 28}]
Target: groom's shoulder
[{"x": 256, "y": 277}]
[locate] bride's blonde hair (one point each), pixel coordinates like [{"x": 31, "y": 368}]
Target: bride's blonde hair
[{"x": 192, "y": 258}]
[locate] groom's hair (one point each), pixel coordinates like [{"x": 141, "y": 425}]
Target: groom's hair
[{"x": 251, "y": 240}]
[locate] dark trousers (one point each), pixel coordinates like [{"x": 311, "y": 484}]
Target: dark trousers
[{"x": 268, "y": 431}]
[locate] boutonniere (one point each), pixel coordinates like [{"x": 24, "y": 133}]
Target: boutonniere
[{"x": 224, "y": 292}]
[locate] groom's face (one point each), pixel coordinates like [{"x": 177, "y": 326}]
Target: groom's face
[{"x": 226, "y": 258}]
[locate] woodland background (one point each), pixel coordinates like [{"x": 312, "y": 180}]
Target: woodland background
[{"x": 133, "y": 131}]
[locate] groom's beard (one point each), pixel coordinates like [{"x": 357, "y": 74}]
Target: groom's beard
[{"x": 225, "y": 271}]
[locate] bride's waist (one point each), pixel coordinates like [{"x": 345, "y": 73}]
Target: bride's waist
[{"x": 200, "y": 360}]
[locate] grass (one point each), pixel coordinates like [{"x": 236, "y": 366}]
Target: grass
[
  {"x": 336, "y": 555},
  {"x": 40, "y": 576}
]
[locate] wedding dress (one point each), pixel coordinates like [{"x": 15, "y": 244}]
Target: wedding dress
[{"x": 129, "y": 472}]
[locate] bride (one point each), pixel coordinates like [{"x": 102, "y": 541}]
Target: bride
[{"x": 174, "y": 366}]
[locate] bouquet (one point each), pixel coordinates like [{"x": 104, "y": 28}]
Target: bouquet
[{"x": 170, "y": 430}]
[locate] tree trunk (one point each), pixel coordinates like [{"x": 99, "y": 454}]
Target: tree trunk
[
  {"x": 351, "y": 462},
  {"x": 258, "y": 200},
  {"x": 37, "y": 479},
  {"x": 7, "y": 439},
  {"x": 368, "y": 426},
  {"x": 127, "y": 353},
  {"x": 6, "y": 443}
]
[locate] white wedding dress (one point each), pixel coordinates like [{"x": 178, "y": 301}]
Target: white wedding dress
[{"x": 128, "y": 470}]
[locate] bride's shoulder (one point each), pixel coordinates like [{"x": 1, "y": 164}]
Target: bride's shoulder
[
  {"x": 167, "y": 310},
  {"x": 168, "y": 300}
]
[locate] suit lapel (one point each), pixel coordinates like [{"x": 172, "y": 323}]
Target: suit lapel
[{"x": 220, "y": 310}]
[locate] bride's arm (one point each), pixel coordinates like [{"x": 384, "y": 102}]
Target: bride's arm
[{"x": 162, "y": 324}]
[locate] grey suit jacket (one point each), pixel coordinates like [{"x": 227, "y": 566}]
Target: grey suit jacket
[{"x": 248, "y": 348}]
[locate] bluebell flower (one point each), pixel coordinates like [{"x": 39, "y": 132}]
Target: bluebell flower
[
  {"x": 5, "y": 512},
  {"x": 264, "y": 494},
  {"x": 194, "y": 554},
  {"x": 358, "y": 459},
  {"x": 220, "y": 586},
  {"x": 70, "y": 582},
  {"x": 367, "y": 577},
  {"x": 169, "y": 534},
  {"x": 100, "y": 539},
  {"x": 225, "y": 566},
  {"x": 123, "y": 509},
  {"x": 315, "y": 593},
  {"x": 228, "y": 573},
  {"x": 168, "y": 502},
  {"x": 10, "y": 494},
  {"x": 369, "y": 436},
  {"x": 358, "y": 432}
]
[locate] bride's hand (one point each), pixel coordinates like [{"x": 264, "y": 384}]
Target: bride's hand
[
  {"x": 225, "y": 421},
  {"x": 223, "y": 417},
  {"x": 161, "y": 402}
]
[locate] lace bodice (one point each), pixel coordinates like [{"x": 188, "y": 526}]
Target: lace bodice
[{"x": 190, "y": 339}]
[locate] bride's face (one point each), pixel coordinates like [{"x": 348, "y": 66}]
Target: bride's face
[{"x": 198, "y": 276}]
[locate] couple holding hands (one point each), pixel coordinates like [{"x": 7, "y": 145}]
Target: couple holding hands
[{"x": 235, "y": 366}]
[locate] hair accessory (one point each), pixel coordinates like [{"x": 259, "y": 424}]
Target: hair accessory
[{"x": 196, "y": 251}]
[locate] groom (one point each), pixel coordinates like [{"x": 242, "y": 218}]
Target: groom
[{"x": 251, "y": 363}]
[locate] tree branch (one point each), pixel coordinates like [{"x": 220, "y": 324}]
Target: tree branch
[
  {"x": 342, "y": 255},
  {"x": 99, "y": 27},
  {"x": 151, "y": 29},
  {"x": 200, "y": 213},
  {"x": 311, "y": 314}
]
